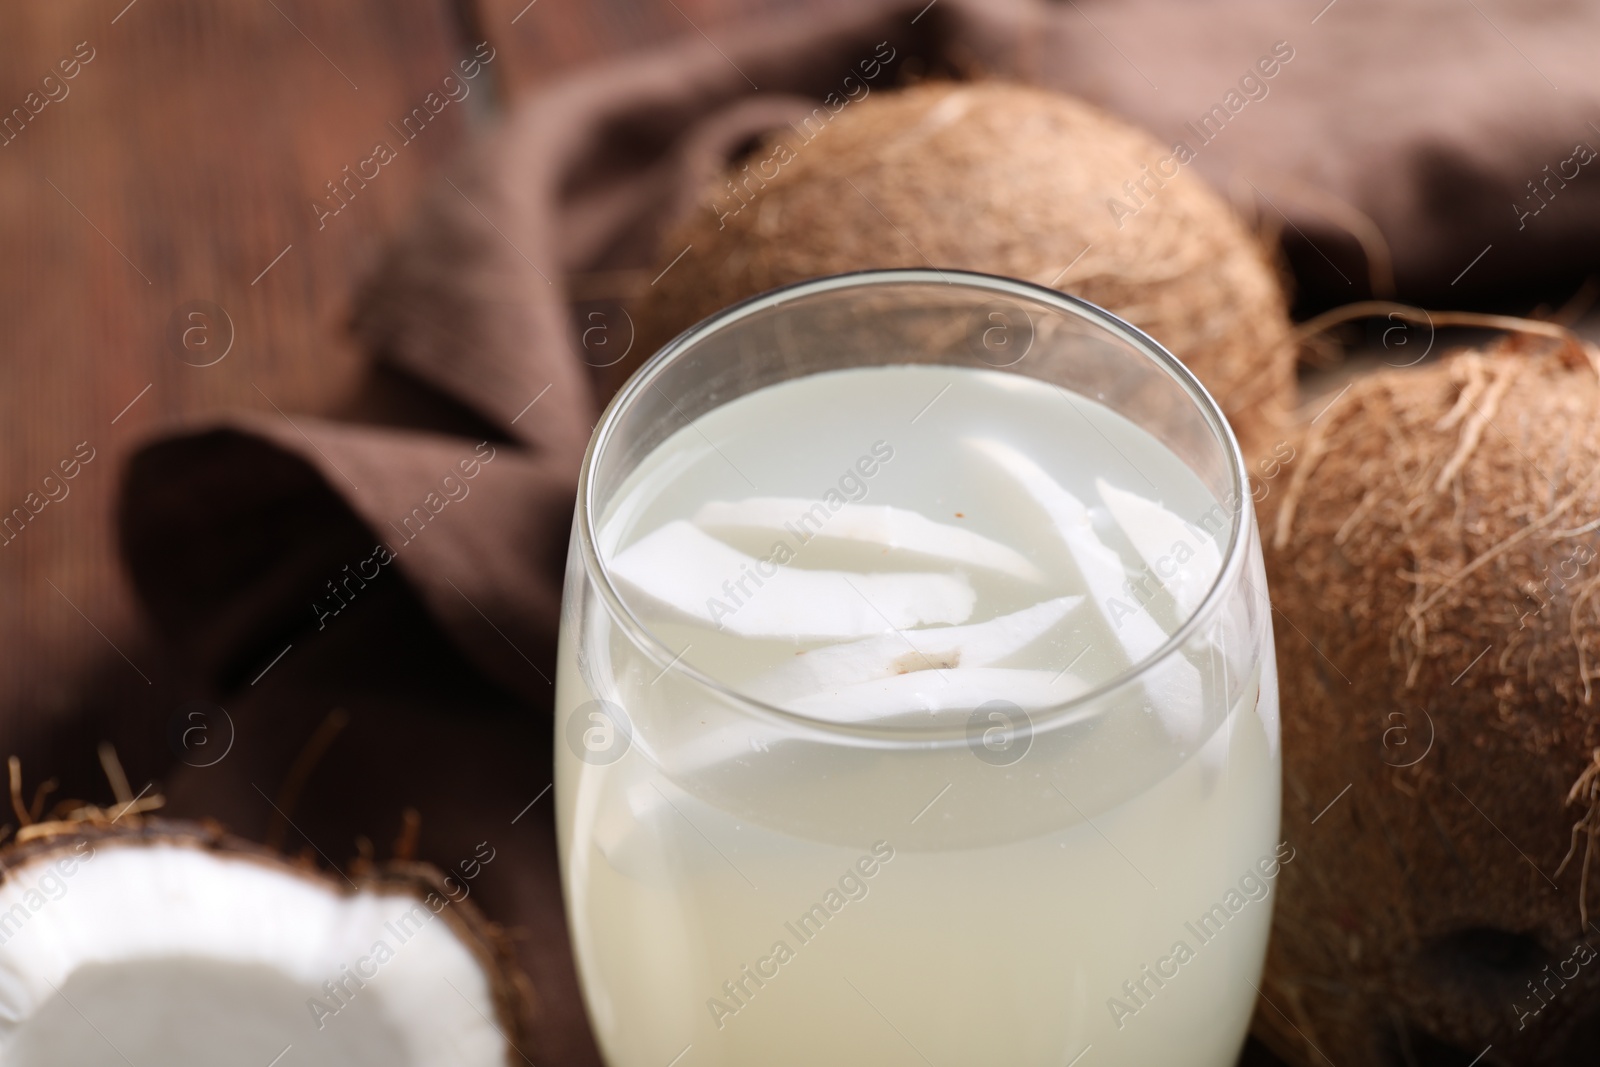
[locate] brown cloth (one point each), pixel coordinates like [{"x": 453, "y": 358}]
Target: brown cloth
[{"x": 404, "y": 560}]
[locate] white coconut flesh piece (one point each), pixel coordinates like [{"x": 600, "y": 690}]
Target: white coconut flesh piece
[
  {"x": 1174, "y": 685},
  {"x": 935, "y": 691},
  {"x": 982, "y": 644},
  {"x": 180, "y": 956},
  {"x": 880, "y": 679},
  {"x": 627, "y": 839},
  {"x": 1216, "y": 750},
  {"x": 896, "y": 700},
  {"x": 624, "y": 513},
  {"x": 1267, "y": 703},
  {"x": 905, "y": 699},
  {"x": 1184, "y": 561},
  {"x": 893, "y": 528},
  {"x": 687, "y": 569}
]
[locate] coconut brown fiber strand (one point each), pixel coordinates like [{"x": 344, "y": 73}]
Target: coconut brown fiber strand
[
  {"x": 1433, "y": 552},
  {"x": 998, "y": 178}
]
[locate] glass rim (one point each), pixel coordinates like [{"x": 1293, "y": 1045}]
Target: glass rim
[{"x": 908, "y": 736}]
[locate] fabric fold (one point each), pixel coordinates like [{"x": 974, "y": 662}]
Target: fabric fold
[
  {"x": 475, "y": 304},
  {"x": 242, "y": 535}
]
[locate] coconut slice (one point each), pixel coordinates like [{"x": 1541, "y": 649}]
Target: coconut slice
[
  {"x": 1098, "y": 566},
  {"x": 1267, "y": 703},
  {"x": 169, "y": 944},
  {"x": 1184, "y": 561},
  {"x": 939, "y": 690},
  {"x": 882, "y": 700},
  {"x": 624, "y": 512},
  {"x": 873, "y": 524},
  {"x": 1174, "y": 686},
  {"x": 879, "y": 700},
  {"x": 682, "y": 566},
  {"x": 1175, "y": 692},
  {"x": 981, "y": 644}
]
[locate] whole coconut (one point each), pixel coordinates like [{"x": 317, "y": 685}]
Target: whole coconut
[
  {"x": 1434, "y": 557},
  {"x": 1002, "y": 179}
]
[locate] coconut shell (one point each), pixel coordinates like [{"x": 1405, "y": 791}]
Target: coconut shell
[
  {"x": 1432, "y": 552},
  {"x": 514, "y": 996},
  {"x": 1002, "y": 179}
]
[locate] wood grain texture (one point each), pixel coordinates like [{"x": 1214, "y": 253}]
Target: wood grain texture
[{"x": 179, "y": 163}]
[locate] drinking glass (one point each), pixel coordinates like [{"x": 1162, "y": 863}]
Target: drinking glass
[{"x": 995, "y": 876}]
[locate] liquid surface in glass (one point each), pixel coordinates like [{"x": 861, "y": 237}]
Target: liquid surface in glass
[{"x": 911, "y": 546}]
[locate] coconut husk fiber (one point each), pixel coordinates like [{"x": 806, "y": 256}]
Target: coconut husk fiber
[
  {"x": 1003, "y": 179},
  {"x": 1434, "y": 558}
]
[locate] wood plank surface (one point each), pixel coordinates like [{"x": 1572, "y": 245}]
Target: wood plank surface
[
  {"x": 158, "y": 212},
  {"x": 179, "y": 163},
  {"x": 164, "y": 259}
]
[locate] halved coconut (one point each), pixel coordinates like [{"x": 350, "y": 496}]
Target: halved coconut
[{"x": 162, "y": 942}]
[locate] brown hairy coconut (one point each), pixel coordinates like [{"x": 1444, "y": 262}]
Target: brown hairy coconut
[
  {"x": 131, "y": 939},
  {"x": 1003, "y": 179},
  {"x": 1435, "y": 560}
]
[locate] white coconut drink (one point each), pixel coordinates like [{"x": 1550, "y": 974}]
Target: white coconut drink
[
  {"x": 126, "y": 940},
  {"x": 909, "y": 724}
]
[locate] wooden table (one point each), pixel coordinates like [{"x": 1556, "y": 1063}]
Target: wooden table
[
  {"x": 164, "y": 259},
  {"x": 157, "y": 214}
]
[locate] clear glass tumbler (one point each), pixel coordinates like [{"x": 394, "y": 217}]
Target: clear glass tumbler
[{"x": 916, "y": 698}]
